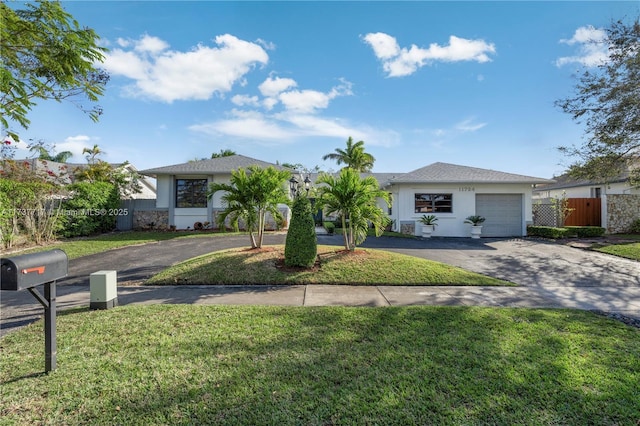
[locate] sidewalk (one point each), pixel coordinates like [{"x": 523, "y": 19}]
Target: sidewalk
[
  {"x": 622, "y": 300},
  {"x": 548, "y": 276}
]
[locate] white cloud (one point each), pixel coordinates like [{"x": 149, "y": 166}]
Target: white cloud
[
  {"x": 151, "y": 45},
  {"x": 271, "y": 87},
  {"x": 242, "y": 100},
  {"x": 399, "y": 62},
  {"x": 469, "y": 125},
  {"x": 75, "y": 144},
  {"x": 168, "y": 75},
  {"x": 593, "y": 47}
]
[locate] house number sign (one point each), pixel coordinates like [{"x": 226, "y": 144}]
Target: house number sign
[{"x": 466, "y": 189}]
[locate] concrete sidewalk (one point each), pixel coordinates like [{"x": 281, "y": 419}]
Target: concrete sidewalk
[
  {"x": 622, "y": 300},
  {"x": 548, "y": 275}
]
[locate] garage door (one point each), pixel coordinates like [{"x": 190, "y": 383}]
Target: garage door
[{"x": 503, "y": 213}]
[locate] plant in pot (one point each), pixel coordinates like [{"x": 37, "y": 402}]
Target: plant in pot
[
  {"x": 428, "y": 224},
  {"x": 476, "y": 227}
]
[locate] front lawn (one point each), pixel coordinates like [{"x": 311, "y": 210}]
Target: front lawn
[
  {"x": 224, "y": 365},
  {"x": 336, "y": 266},
  {"x": 623, "y": 245}
]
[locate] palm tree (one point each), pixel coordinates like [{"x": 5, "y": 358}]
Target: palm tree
[
  {"x": 44, "y": 154},
  {"x": 250, "y": 195},
  {"x": 353, "y": 156},
  {"x": 223, "y": 153},
  {"x": 355, "y": 199},
  {"x": 92, "y": 153}
]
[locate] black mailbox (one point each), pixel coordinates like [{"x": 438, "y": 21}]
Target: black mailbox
[{"x": 30, "y": 270}]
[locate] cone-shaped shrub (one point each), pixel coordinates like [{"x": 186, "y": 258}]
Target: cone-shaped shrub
[{"x": 301, "y": 246}]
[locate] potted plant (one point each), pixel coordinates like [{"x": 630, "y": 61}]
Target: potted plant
[
  {"x": 428, "y": 224},
  {"x": 476, "y": 228}
]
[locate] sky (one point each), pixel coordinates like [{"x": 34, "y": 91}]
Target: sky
[{"x": 468, "y": 83}]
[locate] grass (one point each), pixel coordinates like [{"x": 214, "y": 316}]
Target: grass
[
  {"x": 626, "y": 246},
  {"x": 628, "y": 250},
  {"x": 336, "y": 266},
  {"x": 86, "y": 246},
  {"x": 223, "y": 365}
]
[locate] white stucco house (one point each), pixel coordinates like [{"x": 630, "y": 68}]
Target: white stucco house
[
  {"x": 449, "y": 191},
  {"x": 453, "y": 192},
  {"x": 581, "y": 188},
  {"x": 182, "y": 188}
]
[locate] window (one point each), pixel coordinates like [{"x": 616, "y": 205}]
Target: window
[
  {"x": 390, "y": 208},
  {"x": 434, "y": 203},
  {"x": 596, "y": 192},
  {"x": 191, "y": 193}
]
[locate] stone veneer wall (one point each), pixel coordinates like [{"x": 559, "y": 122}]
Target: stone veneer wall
[
  {"x": 143, "y": 219},
  {"x": 408, "y": 228},
  {"x": 622, "y": 210}
]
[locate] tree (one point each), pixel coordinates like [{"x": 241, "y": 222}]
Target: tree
[
  {"x": 607, "y": 101},
  {"x": 250, "y": 195},
  {"x": 223, "y": 153},
  {"x": 47, "y": 155},
  {"x": 353, "y": 156},
  {"x": 356, "y": 200},
  {"x": 301, "y": 247},
  {"x": 46, "y": 55}
]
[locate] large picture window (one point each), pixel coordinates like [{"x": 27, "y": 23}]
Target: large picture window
[
  {"x": 434, "y": 203},
  {"x": 191, "y": 193}
]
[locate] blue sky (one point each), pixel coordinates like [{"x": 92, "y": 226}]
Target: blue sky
[{"x": 469, "y": 83}]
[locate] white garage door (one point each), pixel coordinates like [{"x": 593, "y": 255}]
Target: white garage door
[{"x": 503, "y": 213}]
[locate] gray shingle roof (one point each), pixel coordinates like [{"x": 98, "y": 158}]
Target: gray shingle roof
[
  {"x": 207, "y": 167},
  {"x": 452, "y": 173}
]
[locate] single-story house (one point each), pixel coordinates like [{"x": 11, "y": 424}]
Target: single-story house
[
  {"x": 449, "y": 191},
  {"x": 583, "y": 188},
  {"x": 452, "y": 193},
  {"x": 182, "y": 188}
]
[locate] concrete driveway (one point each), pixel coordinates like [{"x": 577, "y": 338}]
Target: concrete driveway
[{"x": 548, "y": 275}]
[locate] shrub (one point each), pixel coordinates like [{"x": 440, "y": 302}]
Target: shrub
[
  {"x": 548, "y": 232},
  {"x": 90, "y": 208},
  {"x": 586, "y": 231},
  {"x": 635, "y": 227},
  {"x": 329, "y": 226},
  {"x": 565, "y": 232},
  {"x": 301, "y": 247}
]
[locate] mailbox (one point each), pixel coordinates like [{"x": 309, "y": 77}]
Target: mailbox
[{"x": 31, "y": 270}]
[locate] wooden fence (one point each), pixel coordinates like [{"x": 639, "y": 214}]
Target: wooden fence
[{"x": 587, "y": 212}]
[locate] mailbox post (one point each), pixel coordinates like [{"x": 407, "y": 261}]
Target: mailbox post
[{"x": 29, "y": 271}]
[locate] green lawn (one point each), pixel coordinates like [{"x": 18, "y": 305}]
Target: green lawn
[
  {"x": 223, "y": 365},
  {"x": 362, "y": 267},
  {"x": 629, "y": 246}
]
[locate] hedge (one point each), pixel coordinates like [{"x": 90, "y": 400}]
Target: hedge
[
  {"x": 301, "y": 246},
  {"x": 565, "y": 232}
]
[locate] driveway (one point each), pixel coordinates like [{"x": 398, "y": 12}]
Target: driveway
[{"x": 548, "y": 275}]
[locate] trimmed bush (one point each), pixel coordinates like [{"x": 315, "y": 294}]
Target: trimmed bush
[
  {"x": 548, "y": 232},
  {"x": 586, "y": 231},
  {"x": 635, "y": 227},
  {"x": 330, "y": 227},
  {"x": 301, "y": 248},
  {"x": 565, "y": 232}
]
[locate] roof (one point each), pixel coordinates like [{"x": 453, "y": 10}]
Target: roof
[
  {"x": 566, "y": 181},
  {"x": 452, "y": 173},
  {"x": 211, "y": 166}
]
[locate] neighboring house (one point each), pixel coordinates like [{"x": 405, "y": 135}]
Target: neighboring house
[
  {"x": 449, "y": 191},
  {"x": 62, "y": 173},
  {"x": 581, "y": 188},
  {"x": 619, "y": 203}
]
